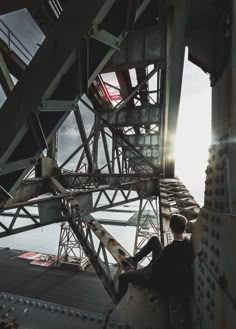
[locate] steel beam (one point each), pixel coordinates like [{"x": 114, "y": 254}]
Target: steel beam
[
  {"x": 177, "y": 17},
  {"x": 15, "y": 64},
  {"x": 42, "y": 84},
  {"x": 47, "y": 81},
  {"x": 119, "y": 106},
  {"x": 141, "y": 115},
  {"x": 105, "y": 145},
  {"x": 7, "y": 6},
  {"x": 17, "y": 165},
  {"x": 5, "y": 78},
  {"x": 83, "y": 136},
  {"x": 84, "y": 227},
  {"x": 133, "y": 150},
  {"x": 174, "y": 197},
  {"x": 29, "y": 189}
]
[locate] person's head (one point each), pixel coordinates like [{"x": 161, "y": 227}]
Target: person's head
[{"x": 178, "y": 223}]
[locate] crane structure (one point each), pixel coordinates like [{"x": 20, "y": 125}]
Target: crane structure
[{"x": 112, "y": 70}]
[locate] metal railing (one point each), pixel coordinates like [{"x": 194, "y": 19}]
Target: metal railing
[
  {"x": 56, "y": 7},
  {"x": 14, "y": 43}
]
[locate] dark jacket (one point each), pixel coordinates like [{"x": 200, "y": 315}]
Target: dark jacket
[{"x": 172, "y": 272}]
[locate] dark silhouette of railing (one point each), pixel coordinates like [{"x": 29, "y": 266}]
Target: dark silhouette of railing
[{"x": 14, "y": 43}]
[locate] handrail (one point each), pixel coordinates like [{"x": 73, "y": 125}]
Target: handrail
[
  {"x": 12, "y": 39},
  {"x": 56, "y": 7}
]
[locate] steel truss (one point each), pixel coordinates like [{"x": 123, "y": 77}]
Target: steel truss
[
  {"x": 131, "y": 146},
  {"x": 147, "y": 224},
  {"x": 69, "y": 249},
  {"x": 95, "y": 241},
  {"x": 175, "y": 198},
  {"x": 122, "y": 189}
]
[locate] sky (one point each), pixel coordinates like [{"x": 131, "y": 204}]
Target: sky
[
  {"x": 194, "y": 129},
  {"x": 194, "y": 124}
]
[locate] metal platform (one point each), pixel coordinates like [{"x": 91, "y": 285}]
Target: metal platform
[{"x": 64, "y": 285}]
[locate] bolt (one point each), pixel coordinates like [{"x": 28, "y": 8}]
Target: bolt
[{"x": 217, "y": 269}]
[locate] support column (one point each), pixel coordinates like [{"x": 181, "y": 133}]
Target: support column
[
  {"x": 69, "y": 249},
  {"x": 215, "y": 270},
  {"x": 5, "y": 77},
  {"x": 147, "y": 224}
]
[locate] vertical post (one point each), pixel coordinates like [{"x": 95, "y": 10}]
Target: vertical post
[
  {"x": 96, "y": 140},
  {"x": 83, "y": 135}
]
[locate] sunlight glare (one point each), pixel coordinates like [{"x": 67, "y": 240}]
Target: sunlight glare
[{"x": 193, "y": 130}]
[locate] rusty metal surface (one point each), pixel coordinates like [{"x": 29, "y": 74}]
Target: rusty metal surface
[
  {"x": 175, "y": 198},
  {"x": 23, "y": 313},
  {"x": 140, "y": 308}
]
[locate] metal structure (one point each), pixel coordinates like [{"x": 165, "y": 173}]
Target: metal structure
[
  {"x": 120, "y": 63},
  {"x": 147, "y": 224},
  {"x": 69, "y": 249}
]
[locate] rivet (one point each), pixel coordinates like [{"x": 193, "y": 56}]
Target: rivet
[
  {"x": 78, "y": 314},
  {"x": 85, "y": 316},
  {"x": 212, "y": 302}
]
